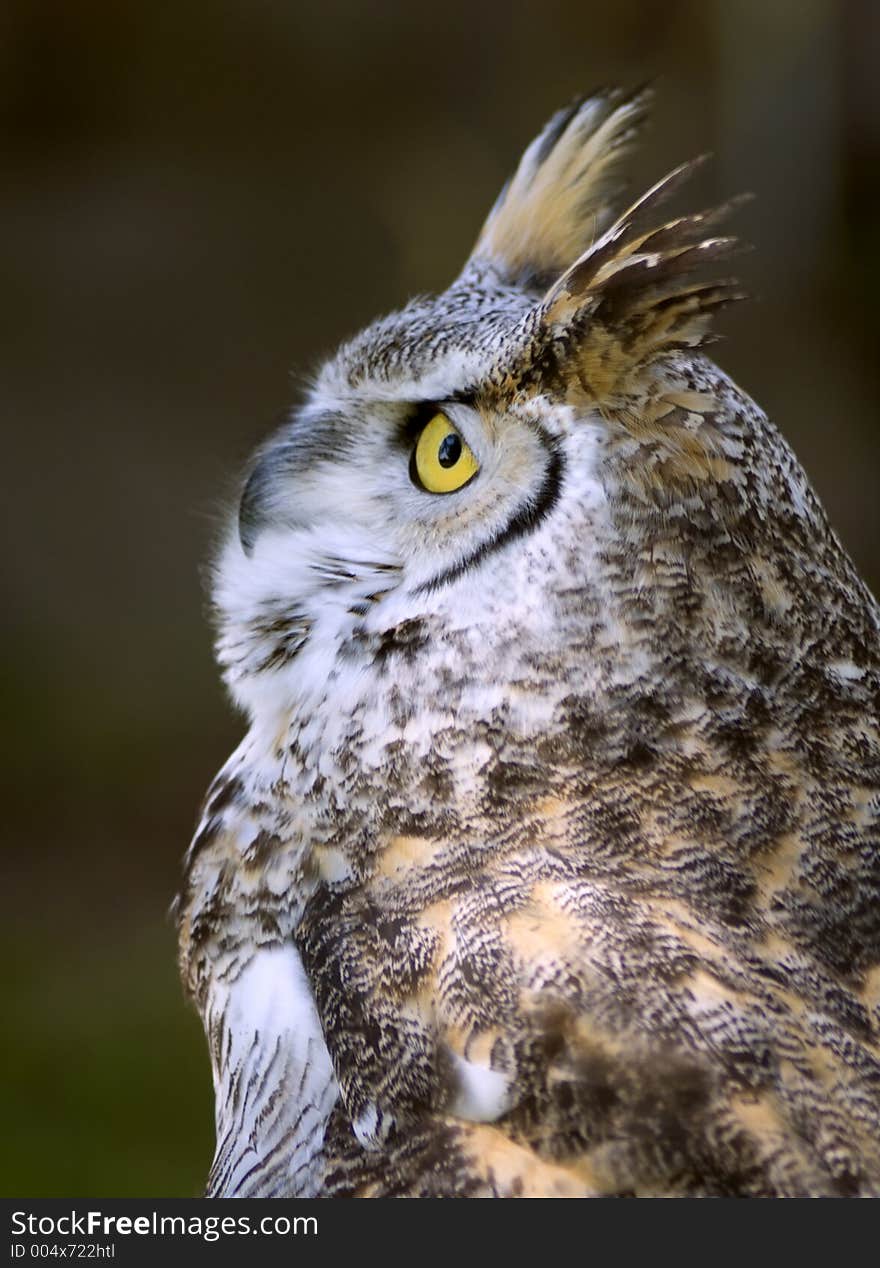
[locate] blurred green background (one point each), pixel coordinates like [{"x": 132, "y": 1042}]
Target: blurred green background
[{"x": 198, "y": 200}]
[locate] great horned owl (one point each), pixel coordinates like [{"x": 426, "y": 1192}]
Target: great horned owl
[{"x": 550, "y": 863}]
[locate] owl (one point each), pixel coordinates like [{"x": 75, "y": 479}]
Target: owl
[{"x": 550, "y": 861}]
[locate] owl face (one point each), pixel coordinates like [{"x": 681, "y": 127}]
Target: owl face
[
  {"x": 426, "y": 485},
  {"x": 456, "y": 460},
  {"x": 384, "y": 502}
]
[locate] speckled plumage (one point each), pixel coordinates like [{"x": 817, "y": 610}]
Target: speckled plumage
[{"x": 550, "y": 863}]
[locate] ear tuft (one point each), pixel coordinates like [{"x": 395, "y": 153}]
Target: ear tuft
[
  {"x": 632, "y": 291},
  {"x": 561, "y": 194}
]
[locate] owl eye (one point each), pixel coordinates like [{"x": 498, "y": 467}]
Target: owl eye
[{"x": 442, "y": 461}]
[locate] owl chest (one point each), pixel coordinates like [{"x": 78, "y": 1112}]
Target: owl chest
[{"x": 429, "y": 966}]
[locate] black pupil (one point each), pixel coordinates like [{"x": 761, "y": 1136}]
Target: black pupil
[{"x": 450, "y": 450}]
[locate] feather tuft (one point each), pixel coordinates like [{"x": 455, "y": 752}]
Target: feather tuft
[{"x": 563, "y": 192}]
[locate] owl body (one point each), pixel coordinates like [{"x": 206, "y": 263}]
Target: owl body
[{"x": 549, "y": 864}]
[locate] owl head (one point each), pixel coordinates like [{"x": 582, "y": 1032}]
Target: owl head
[{"x": 546, "y": 426}]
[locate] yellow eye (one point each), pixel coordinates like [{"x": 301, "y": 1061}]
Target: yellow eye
[{"x": 442, "y": 462}]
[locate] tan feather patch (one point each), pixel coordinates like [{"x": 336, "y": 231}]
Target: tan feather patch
[{"x": 561, "y": 192}]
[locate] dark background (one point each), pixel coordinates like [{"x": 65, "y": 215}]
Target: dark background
[{"x": 197, "y": 201}]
